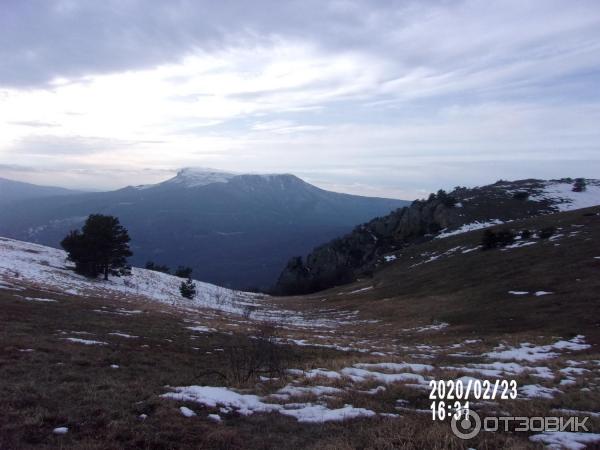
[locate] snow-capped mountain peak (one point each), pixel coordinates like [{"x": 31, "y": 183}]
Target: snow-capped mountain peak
[{"x": 200, "y": 176}]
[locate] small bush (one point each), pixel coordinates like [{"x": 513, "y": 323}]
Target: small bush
[
  {"x": 505, "y": 237},
  {"x": 249, "y": 359},
  {"x": 526, "y": 234},
  {"x": 248, "y": 311},
  {"x": 188, "y": 288},
  {"x": 489, "y": 240},
  {"x": 183, "y": 272},
  {"x": 521, "y": 195},
  {"x": 546, "y": 232},
  {"x": 150, "y": 265},
  {"x": 493, "y": 239},
  {"x": 579, "y": 185}
]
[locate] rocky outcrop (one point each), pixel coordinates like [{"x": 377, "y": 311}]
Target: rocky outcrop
[{"x": 344, "y": 259}]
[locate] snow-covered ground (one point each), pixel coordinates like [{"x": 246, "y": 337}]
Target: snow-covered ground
[
  {"x": 563, "y": 198},
  {"x": 23, "y": 264},
  {"x": 557, "y": 440},
  {"x": 469, "y": 227},
  {"x": 48, "y": 268}
]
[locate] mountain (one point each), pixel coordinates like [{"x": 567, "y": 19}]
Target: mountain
[
  {"x": 16, "y": 191},
  {"x": 236, "y": 230},
  {"x": 358, "y": 253}
]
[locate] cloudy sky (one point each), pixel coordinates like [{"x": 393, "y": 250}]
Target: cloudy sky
[{"x": 391, "y": 98}]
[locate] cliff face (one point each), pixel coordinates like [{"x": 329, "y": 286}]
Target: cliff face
[
  {"x": 344, "y": 259},
  {"x": 356, "y": 254}
]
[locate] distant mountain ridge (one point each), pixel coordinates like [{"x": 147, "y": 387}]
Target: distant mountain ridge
[
  {"x": 358, "y": 253},
  {"x": 235, "y": 230},
  {"x": 15, "y": 191}
]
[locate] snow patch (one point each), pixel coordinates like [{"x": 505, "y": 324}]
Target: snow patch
[
  {"x": 85, "y": 341},
  {"x": 469, "y": 227},
  {"x": 530, "y": 352},
  {"x": 34, "y": 299},
  {"x": 187, "y": 412},
  {"x": 538, "y": 391},
  {"x": 565, "y": 439},
  {"x": 563, "y": 198},
  {"x": 124, "y": 335},
  {"x": 248, "y": 404}
]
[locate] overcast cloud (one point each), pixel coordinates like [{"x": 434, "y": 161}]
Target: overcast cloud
[{"x": 394, "y": 98}]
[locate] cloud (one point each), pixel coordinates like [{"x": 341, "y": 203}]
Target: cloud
[
  {"x": 67, "y": 145},
  {"x": 33, "y": 123},
  {"x": 345, "y": 90}
]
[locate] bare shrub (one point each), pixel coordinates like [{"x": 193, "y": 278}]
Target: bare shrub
[
  {"x": 221, "y": 296},
  {"x": 248, "y": 311},
  {"x": 248, "y": 359}
]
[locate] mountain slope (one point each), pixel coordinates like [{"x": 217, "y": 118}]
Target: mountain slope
[
  {"x": 233, "y": 230},
  {"x": 357, "y": 253},
  {"x": 15, "y": 191}
]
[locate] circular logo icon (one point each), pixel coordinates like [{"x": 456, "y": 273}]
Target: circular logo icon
[{"x": 466, "y": 427}]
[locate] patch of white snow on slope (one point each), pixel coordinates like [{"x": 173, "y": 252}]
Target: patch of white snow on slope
[
  {"x": 187, "y": 412},
  {"x": 124, "y": 335},
  {"x": 565, "y": 439},
  {"x": 248, "y": 404},
  {"x": 359, "y": 375},
  {"x": 530, "y": 352},
  {"x": 47, "y": 267},
  {"x": 537, "y": 391},
  {"x": 469, "y": 227},
  {"x": 292, "y": 391},
  {"x": 396, "y": 366},
  {"x": 85, "y": 341},
  {"x": 34, "y": 299},
  {"x": 563, "y": 197}
]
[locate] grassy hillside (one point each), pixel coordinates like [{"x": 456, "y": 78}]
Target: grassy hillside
[{"x": 451, "y": 280}]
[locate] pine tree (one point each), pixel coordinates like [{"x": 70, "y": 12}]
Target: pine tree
[
  {"x": 183, "y": 272},
  {"x": 188, "y": 288},
  {"x": 101, "y": 247}
]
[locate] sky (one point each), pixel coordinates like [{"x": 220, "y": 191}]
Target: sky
[{"x": 383, "y": 98}]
